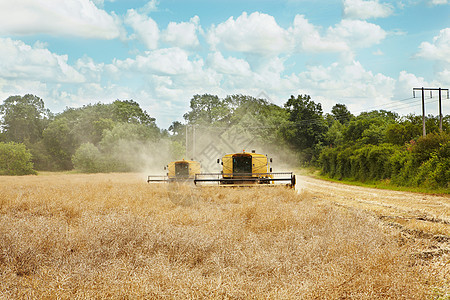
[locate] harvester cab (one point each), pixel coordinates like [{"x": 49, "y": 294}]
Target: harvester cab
[
  {"x": 246, "y": 169},
  {"x": 178, "y": 171}
]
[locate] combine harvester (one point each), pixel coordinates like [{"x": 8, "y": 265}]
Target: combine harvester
[
  {"x": 178, "y": 171},
  {"x": 245, "y": 170}
]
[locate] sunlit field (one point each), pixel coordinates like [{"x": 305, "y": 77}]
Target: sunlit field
[{"x": 115, "y": 236}]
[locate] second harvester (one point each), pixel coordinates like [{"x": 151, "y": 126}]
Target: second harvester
[
  {"x": 177, "y": 171},
  {"x": 246, "y": 169}
]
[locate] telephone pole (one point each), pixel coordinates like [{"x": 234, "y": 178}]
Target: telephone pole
[
  {"x": 193, "y": 141},
  {"x": 423, "y": 104},
  {"x": 186, "y": 141}
]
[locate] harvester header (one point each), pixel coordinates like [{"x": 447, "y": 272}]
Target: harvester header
[{"x": 246, "y": 169}]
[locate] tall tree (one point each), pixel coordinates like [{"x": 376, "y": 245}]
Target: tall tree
[
  {"x": 369, "y": 127},
  {"x": 129, "y": 111},
  {"x": 89, "y": 124},
  {"x": 24, "y": 118},
  {"x": 178, "y": 133},
  {"x": 307, "y": 125},
  {"x": 60, "y": 143},
  {"x": 341, "y": 113},
  {"x": 176, "y": 128},
  {"x": 206, "y": 109}
]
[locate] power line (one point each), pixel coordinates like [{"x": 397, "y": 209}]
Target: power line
[
  {"x": 317, "y": 121},
  {"x": 422, "y": 89}
]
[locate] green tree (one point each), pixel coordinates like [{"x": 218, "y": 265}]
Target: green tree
[
  {"x": 124, "y": 132},
  {"x": 177, "y": 138},
  {"x": 428, "y": 144},
  {"x": 88, "y": 124},
  {"x": 341, "y": 113},
  {"x": 206, "y": 109},
  {"x": 403, "y": 132},
  {"x": 15, "y": 159},
  {"x": 129, "y": 111},
  {"x": 307, "y": 128},
  {"x": 263, "y": 120},
  {"x": 369, "y": 127},
  {"x": 24, "y": 118},
  {"x": 88, "y": 159},
  {"x": 435, "y": 171},
  {"x": 334, "y": 135},
  {"x": 61, "y": 143},
  {"x": 177, "y": 128}
]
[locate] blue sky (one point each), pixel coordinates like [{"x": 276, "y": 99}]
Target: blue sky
[{"x": 367, "y": 54}]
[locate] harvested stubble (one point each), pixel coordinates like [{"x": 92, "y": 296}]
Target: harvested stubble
[{"x": 115, "y": 236}]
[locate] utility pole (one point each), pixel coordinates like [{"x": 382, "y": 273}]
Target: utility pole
[
  {"x": 186, "y": 141},
  {"x": 423, "y": 104},
  {"x": 193, "y": 142}
]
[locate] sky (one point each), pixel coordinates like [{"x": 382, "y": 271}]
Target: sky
[{"x": 366, "y": 54}]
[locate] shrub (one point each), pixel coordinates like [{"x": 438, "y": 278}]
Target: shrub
[
  {"x": 15, "y": 159},
  {"x": 367, "y": 162},
  {"x": 435, "y": 172},
  {"x": 327, "y": 162},
  {"x": 401, "y": 167},
  {"x": 428, "y": 144},
  {"x": 87, "y": 158}
]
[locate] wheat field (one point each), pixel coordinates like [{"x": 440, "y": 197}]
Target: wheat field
[{"x": 115, "y": 236}]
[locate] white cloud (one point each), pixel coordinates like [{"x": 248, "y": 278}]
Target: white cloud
[
  {"x": 378, "y": 53},
  {"x": 9, "y": 87},
  {"x": 356, "y": 33},
  {"x": 361, "y": 9},
  {"x": 231, "y": 65},
  {"x": 439, "y": 2},
  {"x": 346, "y": 82},
  {"x": 99, "y": 3},
  {"x": 344, "y": 37},
  {"x": 151, "y": 6},
  {"x": 61, "y": 18},
  {"x": 408, "y": 81},
  {"x": 307, "y": 38},
  {"x": 404, "y": 88},
  {"x": 183, "y": 35},
  {"x": 90, "y": 70},
  {"x": 444, "y": 77},
  {"x": 439, "y": 50},
  {"x": 170, "y": 61},
  {"x": 26, "y": 62},
  {"x": 259, "y": 34},
  {"x": 146, "y": 29},
  {"x": 256, "y": 33}
]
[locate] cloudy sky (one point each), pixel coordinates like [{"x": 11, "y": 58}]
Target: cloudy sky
[{"x": 367, "y": 54}]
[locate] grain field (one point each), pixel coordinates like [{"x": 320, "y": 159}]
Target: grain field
[{"x": 115, "y": 236}]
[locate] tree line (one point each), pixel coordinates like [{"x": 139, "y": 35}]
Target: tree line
[
  {"x": 85, "y": 138},
  {"x": 375, "y": 145}
]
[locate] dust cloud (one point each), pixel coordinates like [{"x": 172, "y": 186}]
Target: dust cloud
[{"x": 208, "y": 144}]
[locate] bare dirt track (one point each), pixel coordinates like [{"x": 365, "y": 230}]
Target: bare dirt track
[{"x": 423, "y": 219}]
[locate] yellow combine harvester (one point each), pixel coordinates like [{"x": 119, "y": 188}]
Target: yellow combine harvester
[
  {"x": 178, "y": 171},
  {"x": 246, "y": 169}
]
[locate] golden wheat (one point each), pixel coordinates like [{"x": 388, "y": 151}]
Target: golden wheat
[{"x": 115, "y": 236}]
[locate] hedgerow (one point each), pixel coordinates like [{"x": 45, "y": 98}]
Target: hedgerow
[{"x": 425, "y": 162}]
